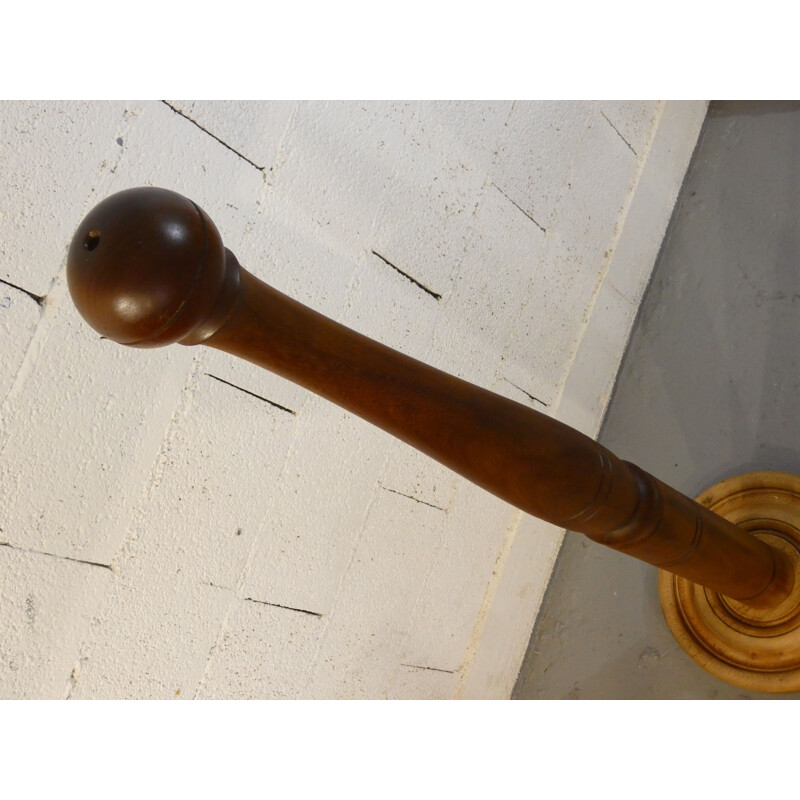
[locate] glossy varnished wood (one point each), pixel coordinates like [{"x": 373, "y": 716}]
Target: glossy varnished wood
[{"x": 147, "y": 267}]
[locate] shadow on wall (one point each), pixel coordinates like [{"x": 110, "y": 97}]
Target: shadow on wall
[
  {"x": 709, "y": 386},
  {"x": 708, "y": 389}
]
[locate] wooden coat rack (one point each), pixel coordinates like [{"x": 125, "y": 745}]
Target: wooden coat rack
[{"x": 147, "y": 267}]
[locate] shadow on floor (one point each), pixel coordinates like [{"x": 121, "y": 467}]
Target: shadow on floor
[{"x": 708, "y": 389}]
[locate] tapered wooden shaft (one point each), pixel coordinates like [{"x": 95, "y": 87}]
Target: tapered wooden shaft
[{"x": 147, "y": 267}]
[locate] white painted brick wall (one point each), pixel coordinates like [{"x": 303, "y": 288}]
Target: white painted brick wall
[{"x": 165, "y": 535}]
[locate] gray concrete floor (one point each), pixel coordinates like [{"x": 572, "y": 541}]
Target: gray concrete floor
[{"x": 708, "y": 389}]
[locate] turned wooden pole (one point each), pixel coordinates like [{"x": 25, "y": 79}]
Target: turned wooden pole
[{"x": 147, "y": 267}]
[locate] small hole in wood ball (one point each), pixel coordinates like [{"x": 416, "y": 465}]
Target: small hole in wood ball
[{"x": 92, "y": 240}]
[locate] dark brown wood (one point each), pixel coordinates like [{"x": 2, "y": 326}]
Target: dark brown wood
[{"x": 147, "y": 267}]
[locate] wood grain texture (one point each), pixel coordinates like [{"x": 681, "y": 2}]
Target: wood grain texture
[{"x": 147, "y": 267}]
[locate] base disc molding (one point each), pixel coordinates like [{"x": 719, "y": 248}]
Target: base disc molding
[{"x": 756, "y": 649}]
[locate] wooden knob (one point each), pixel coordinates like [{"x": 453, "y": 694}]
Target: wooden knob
[{"x": 146, "y": 267}]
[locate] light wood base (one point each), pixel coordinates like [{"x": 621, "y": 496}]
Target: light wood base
[{"x": 756, "y": 649}]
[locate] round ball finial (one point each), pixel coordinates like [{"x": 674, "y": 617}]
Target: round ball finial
[{"x": 146, "y": 267}]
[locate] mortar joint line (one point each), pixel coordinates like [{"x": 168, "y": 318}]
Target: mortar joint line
[{"x": 216, "y": 138}]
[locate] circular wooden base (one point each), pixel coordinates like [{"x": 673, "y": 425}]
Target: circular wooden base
[{"x": 756, "y": 649}]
